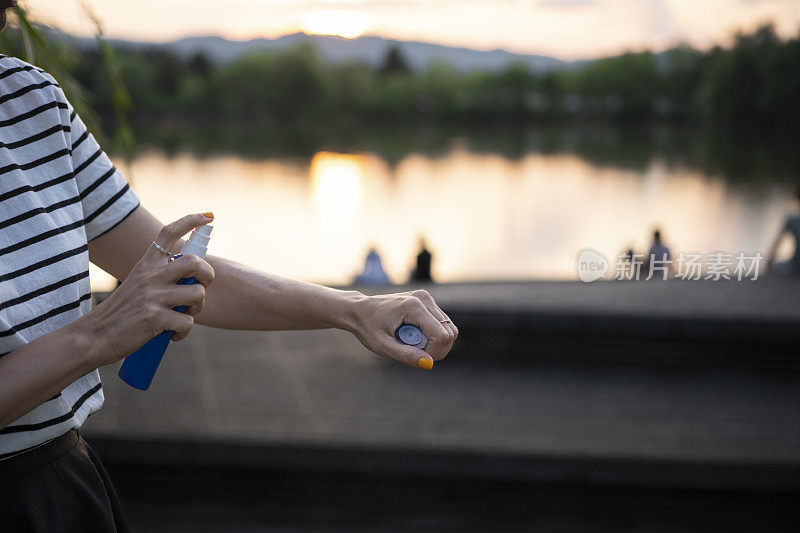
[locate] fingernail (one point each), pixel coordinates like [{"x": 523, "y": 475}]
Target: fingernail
[
  {"x": 208, "y": 214},
  {"x": 425, "y": 363}
]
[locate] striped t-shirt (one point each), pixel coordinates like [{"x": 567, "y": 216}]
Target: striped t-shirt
[{"x": 58, "y": 190}]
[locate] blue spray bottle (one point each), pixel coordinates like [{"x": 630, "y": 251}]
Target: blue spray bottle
[{"x": 140, "y": 367}]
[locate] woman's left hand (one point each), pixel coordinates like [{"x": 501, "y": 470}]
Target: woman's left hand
[{"x": 378, "y": 317}]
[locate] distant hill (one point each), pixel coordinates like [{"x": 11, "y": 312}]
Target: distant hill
[{"x": 369, "y": 50}]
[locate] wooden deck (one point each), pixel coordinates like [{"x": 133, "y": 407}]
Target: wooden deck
[{"x": 319, "y": 401}]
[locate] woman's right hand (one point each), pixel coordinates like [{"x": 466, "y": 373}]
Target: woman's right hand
[{"x": 142, "y": 306}]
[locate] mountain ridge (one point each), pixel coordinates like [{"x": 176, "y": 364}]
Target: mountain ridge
[{"x": 370, "y": 50}]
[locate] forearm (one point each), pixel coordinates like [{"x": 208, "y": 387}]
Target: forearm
[
  {"x": 244, "y": 298},
  {"x": 37, "y": 371},
  {"x": 238, "y": 297}
]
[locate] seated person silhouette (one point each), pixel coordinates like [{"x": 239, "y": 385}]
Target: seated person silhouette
[
  {"x": 373, "y": 273},
  {"x": 424, "y": 258},
  {"x": 657, "y": 258},
  {"x": 791, "y": 227}
]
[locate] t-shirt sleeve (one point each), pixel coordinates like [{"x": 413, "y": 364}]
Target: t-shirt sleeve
[{"x": 106, "y": 197}]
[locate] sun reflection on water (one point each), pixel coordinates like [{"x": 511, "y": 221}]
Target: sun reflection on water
[{"x": 336, "y": 180}]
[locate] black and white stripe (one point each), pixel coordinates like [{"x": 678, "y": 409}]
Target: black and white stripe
[{"x": 58, "y": 191}]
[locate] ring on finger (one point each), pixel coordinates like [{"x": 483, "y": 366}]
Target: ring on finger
[{"x": 162, "y": 250}]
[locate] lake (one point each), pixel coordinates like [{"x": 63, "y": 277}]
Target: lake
[{"x": 486, "y": 214}]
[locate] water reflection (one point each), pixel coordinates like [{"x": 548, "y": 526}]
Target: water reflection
[
  {"x": 484, "y": 215},
  {"x": 336, "y": 181}
]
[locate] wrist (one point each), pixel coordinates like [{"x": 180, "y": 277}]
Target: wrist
[
  {"x": 348, "y": 316},
  {"x": 85, "y": 342}
]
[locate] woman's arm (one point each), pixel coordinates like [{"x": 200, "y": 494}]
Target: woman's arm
[
  {"x": 244, "y": 298},
  {"x": 34, "y": 373},
  {"x": 238, "y": 298},
  {"x": 140, "y": 309}
]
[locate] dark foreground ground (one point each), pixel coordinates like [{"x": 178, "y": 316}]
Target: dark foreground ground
[{"x": 566, "y": 407}]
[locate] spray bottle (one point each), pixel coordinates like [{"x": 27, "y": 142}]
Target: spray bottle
[{"x": 140, "y": 367}]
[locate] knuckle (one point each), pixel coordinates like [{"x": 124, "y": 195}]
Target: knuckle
[
  {"x": 168, "y": 231},
  {"x": 421, "y": 294},
  {"x": 412, "y": 302},
  {"x": 155, "y": 319},
  {"x": 151, "y": 320},
  {"x": 152, "y": 312},
  {"x": 187, "y": 321},
  {"x": 199, "y": 292}
]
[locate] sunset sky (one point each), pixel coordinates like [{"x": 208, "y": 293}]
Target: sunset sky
[{"x": 568, "y": 29}]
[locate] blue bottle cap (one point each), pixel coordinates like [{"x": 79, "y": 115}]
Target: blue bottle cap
[{"x": 411, "y": 335}]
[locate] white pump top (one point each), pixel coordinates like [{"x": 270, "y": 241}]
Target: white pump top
[{"x": 198, "y": 241}]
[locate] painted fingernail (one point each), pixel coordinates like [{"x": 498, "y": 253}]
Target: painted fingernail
[
  {"x": 208, "y": 214},
  {"x": 425, "y": 363}
]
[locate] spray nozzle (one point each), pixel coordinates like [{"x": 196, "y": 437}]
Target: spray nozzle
[
  {"x": 202, "y": 235},
  {"x": 198, "y": 241}
]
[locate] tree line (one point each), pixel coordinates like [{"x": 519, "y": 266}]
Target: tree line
[{"x": 754, "y": 83}]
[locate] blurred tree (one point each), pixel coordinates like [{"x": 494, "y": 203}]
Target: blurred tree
[
  {"x": 200, "y": 65},
  {"x": 169, "y": 70},
  {"x": 514, "y": 85},
  {"x": 623, "y": 86},
  {"x": 754, "y": 84},
  {"x": 438, "y": 89},
  {"x": 42, "y": 46},
  {"x": 353, "y": 89},
  {"x": 37, "y": 44},
  {"x": 679, "y": 80},
  {"x": 394, "y": 62},
  {"x": 284, "y": 85},
  {"x": 121, "y": 103}
]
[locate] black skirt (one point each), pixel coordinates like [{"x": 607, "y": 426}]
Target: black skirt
[{"x": 60, "y": 486}]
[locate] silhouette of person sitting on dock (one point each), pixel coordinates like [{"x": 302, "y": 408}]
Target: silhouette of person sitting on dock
[
  {"x": 422, "y": 272},
  {"x": 658, "y": 258},
  {"x": 792, "y": 227},
  {"x": 373, "y": 273}
]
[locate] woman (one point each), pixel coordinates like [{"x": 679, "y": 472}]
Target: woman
[{"x": 63, "y": 204}]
